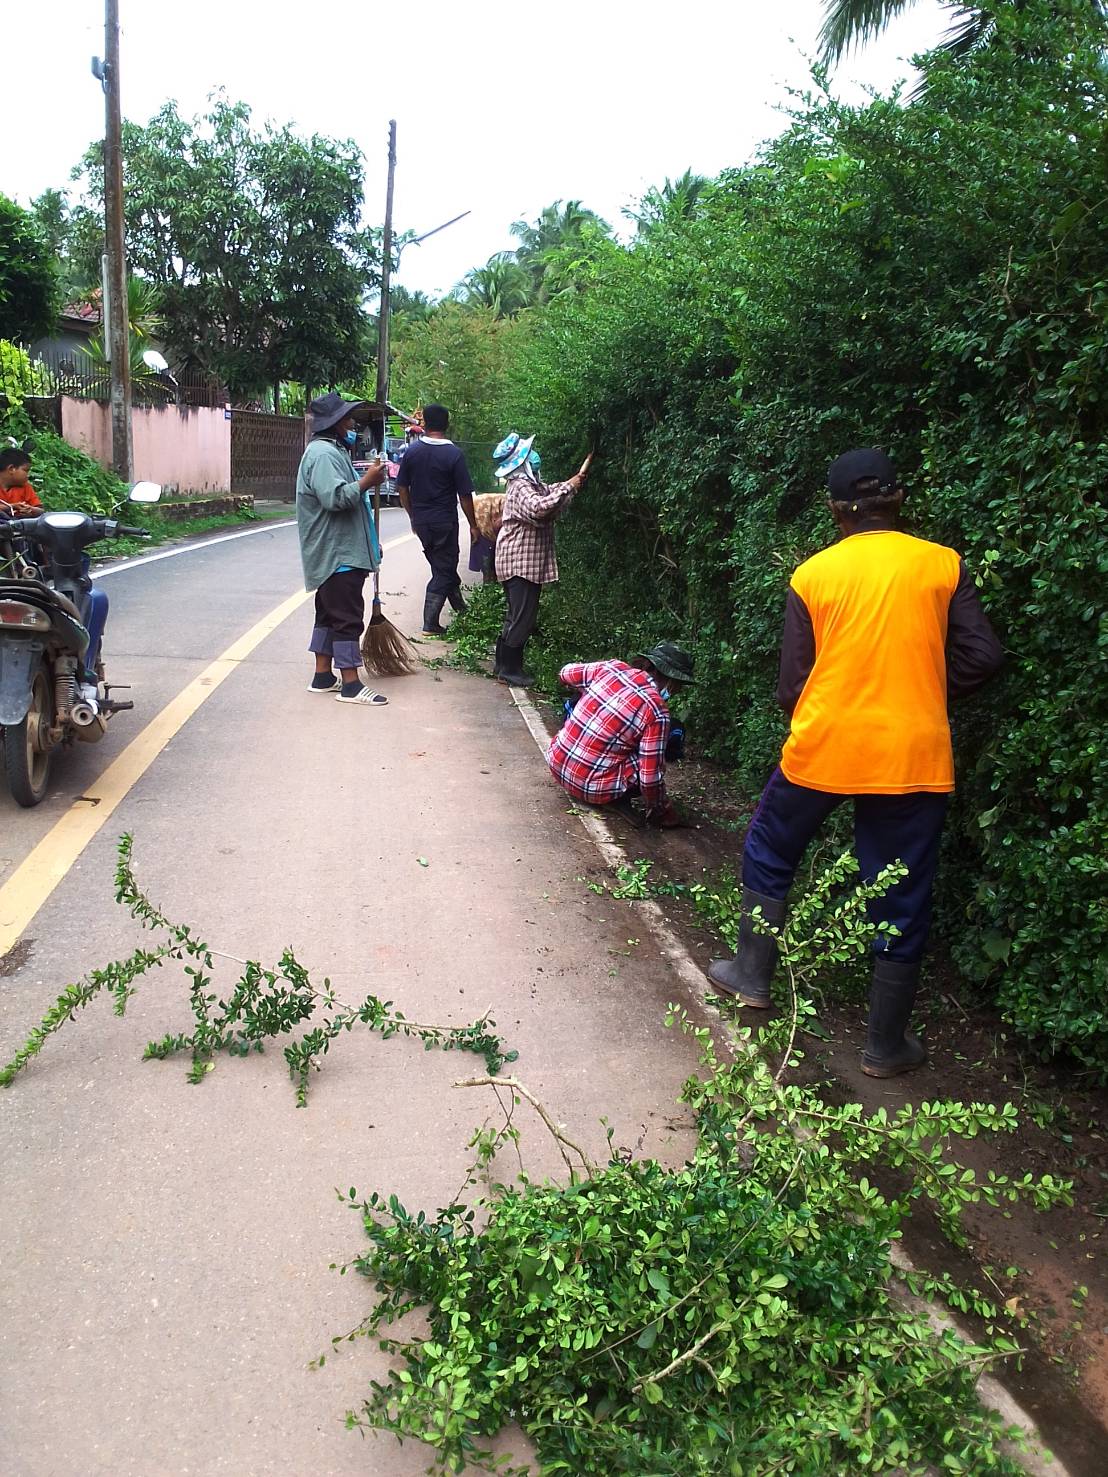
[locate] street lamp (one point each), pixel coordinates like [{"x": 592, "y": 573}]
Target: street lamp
[
  {"x": 417, "y": 239},
  {"x": 386, "y": 297},
  {"x": 386, "y": 273}
]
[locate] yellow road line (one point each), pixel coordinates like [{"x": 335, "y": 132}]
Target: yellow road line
[{"x": 47, "y": 864}]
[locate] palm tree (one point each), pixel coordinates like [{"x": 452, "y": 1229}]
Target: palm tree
[
  {"x": 850, "y": 23},
  {"x": 144, "y": 322},
  {"x": 414, "y": 307},
  {"x": 543, "y": 241},
  {"x": 677, "y": 199},
  {"x": 501, "y": 284},
  {"x": 556, "y": 224}
]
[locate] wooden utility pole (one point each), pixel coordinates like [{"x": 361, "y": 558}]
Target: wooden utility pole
[
  {"x": 114, "y": 312},
  {"x": 386, "y": 272}
]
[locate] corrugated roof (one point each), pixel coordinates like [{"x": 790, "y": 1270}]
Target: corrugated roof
[{"x": 88, "y": 312}]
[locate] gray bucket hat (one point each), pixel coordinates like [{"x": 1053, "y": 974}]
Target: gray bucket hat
[
  {"x": 328, "y": 410},
  {"x": 671, "y": 660}
]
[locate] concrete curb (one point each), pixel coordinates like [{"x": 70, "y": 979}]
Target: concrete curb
[{"x": 1036, "y": 1460}]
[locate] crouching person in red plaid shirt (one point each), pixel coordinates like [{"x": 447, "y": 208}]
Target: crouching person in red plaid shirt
[{"x": 612, "y": 747}]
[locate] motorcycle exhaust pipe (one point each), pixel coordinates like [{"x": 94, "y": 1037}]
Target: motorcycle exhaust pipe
[{"x": 87, "y": 722}]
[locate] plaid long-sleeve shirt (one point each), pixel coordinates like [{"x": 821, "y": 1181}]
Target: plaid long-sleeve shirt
[
  {"x": 525, "y": 545},
  {"x": 615, "y": 737}
]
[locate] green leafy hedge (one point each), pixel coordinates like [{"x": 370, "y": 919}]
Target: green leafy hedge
[
  {"x": 932, "y": 278},
  {"x": 66, "y": 478}
]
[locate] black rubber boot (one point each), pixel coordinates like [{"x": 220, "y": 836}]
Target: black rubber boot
[
  {"x": 511, "y": 667},
  {"x": 457, "y": 600},
  {"x": 890, "y": 1047},
  {"x": 432, "y": 609},
  {"x": 498, "y": 656},
  {"x": 746, "y": 977}
]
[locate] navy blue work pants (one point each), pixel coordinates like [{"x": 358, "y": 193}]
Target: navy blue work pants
[
  {"x": 887, "y": 828},
  {"x": 440, "y": 549}
]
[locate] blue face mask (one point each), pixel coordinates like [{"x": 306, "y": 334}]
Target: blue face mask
[
  {"x": 350, "y": 438},
  {"x": 665, "y": 694}
]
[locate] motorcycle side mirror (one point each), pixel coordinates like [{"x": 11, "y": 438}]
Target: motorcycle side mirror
[
  {"x": 145, "y": 492},
  {"x": 153, "y": 360}
]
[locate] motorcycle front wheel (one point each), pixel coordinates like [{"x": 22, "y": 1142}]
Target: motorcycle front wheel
[{"x": 26, "y": 756}]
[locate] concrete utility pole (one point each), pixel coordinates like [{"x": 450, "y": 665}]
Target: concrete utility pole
[
  {"x": 116, "y": 327},
  {"x": 386, "y": 273}
]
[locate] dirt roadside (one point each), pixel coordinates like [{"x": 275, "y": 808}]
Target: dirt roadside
[{"x": 1048, "y": 1270}]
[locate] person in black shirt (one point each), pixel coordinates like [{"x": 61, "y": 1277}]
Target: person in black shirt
[{"x": 432, "y": 480}]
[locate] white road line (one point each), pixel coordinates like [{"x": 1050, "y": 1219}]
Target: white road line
[{"x": 223, "y": 538}]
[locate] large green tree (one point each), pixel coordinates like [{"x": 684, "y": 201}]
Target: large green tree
[
  {"x": 253, "y": 237},
  {"x": 459, "y": 356},
  {"x": 30, "y": 290},
  {"x": 76, "y": 237}
]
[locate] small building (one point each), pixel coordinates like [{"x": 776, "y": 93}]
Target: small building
[{"x": 77, "y": 324}]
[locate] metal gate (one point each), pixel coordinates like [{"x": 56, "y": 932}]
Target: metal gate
[{"x": 265, "y": 453}]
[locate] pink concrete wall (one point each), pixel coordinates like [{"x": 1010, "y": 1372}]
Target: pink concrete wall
[
  {"x": 87, "y": 425},
  {"x": 184, "y": 447}
]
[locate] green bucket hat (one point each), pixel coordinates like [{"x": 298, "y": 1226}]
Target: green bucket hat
[{"x": 671, "y": 660}]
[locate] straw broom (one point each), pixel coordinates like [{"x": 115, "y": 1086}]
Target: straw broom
[{"x": 386, "y": 652}]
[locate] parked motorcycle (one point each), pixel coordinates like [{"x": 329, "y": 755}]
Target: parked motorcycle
[{"x": 52, "y": 618}]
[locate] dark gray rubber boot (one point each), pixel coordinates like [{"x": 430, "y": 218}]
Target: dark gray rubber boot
[
  {"x": 511, "y": 667},
  {"x": 432, "y": 609},
  {"x": 498, "y": 656},
  {"x": 746, "y": 977},
  {"x": 890, "y": 1047},
  {"x": 457, "y": 600}
]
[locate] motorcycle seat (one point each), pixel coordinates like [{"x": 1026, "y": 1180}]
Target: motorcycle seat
[{"x": 19, "y": 589}]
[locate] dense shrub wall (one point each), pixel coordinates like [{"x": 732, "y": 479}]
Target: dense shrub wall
[{"x": 931, "y": 277}]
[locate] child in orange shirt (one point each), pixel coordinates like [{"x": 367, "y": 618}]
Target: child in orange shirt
[{"x": 16, "y": 493}]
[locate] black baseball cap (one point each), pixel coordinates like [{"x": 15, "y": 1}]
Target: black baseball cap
[{"x": 864, "y": 465}]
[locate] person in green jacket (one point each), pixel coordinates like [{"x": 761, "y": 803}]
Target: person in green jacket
[{"x": 338, "y": 546}]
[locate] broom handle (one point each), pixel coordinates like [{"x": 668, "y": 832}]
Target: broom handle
[{"x": 377, "y": 531}]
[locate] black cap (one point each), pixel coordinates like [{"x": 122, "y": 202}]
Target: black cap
[
  {"x": 328, "y": 410},
  {"x": 671, "y": 660},
  {"x": 864, "y": 465}
]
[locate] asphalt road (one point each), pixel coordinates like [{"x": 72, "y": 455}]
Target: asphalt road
[{"x": 166, "y": 1248}]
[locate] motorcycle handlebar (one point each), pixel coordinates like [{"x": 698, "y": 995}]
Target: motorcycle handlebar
[{"x": 99, "y": 527}]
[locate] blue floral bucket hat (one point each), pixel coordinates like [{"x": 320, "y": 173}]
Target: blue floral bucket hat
[{"x": 512, "y": 453}]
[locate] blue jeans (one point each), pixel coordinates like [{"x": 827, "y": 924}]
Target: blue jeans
[{"x": 887, "y": 828}]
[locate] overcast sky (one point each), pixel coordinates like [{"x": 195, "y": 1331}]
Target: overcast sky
[{"x": 501, "y": 107}]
